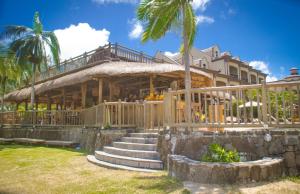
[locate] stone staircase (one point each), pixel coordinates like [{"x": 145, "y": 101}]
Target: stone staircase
[{"x": 136, "y": 152}]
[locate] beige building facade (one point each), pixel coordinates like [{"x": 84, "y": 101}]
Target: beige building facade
[{"x": 225, "y": 69}]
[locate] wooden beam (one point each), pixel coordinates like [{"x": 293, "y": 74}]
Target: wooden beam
[
  {"x": 49, "y": 102},
  {"x": 83, "y": 94},
  {"x": 100, "y": 90},
  {"x": 151, "y": 85},
  {"x": 63, "y": 98},
  {"x": 110, "y": 86}
]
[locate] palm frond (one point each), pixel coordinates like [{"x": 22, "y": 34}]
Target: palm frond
[{"x": 13, "y": 32}]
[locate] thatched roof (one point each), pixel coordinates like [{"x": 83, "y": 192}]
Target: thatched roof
[{"x": 106, "y": 69}]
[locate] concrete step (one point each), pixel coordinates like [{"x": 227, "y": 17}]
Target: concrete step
[
  {"x": 135, "y": 146},
  {"x": 94, "y": 160},
  {"x": 153, "y": 155},
  {"x": 61, "y": 143},
  {"x": 29, "y": 141},
  {"x": 129, "y": 161},
  {"x": 6, "y": 140},
  {"x": 144, "y": 135},
  {"x": 139, "y": 140}
]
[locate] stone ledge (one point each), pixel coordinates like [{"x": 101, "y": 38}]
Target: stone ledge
[{"x": 218, "y": 173}]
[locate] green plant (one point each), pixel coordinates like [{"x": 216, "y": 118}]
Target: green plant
[
  {"x": 216, "y": 153},
  {"x": 30, "y": 45},
  {"x": 107, "y": 126}
]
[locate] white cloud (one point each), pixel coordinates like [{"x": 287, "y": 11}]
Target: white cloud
[
  {"x": 260, "y": 65},
  {"x": 200, "y": 4},
  {"x": 115, "y": 1},
  {"x": 170, "y": 54},
  {"x": 136, "y": 30},
  {"x": 204, "y": 19},
  {"x": 271, "y": 78},
  {"x": 263, "y": 67},
  {"x": 77, "y": 39}
]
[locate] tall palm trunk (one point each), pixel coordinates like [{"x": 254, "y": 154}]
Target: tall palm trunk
[
  {"x": 32, "y": 86},
  {"x": 186, "y": 59},
  {"x": 3, "y": 84}
]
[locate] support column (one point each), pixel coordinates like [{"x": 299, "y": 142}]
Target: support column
[
  {"x": 110, "y": 85},
  {"x": 26, "y": 105},
  {"x": 36, "y": 103},
  {"x": 100, "y": 90},
  {"x": 83, "y": 94},
  {"x": 63, "y": 99},
  {"x": 48, "y": 102},
  {"x": 151, "y": 85}
]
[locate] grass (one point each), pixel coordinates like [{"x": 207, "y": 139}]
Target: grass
[{"x": 31, "y": 169}]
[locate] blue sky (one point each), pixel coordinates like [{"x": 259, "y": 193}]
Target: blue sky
[{"x": 264, "y": 32}]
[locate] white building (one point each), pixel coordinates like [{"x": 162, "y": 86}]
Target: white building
[{"x": 225, "y": 69}]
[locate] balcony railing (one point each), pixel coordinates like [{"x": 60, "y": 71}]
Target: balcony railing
[
  {"x": 97, "y": 56},
  {"x": 260, "y": 105}
]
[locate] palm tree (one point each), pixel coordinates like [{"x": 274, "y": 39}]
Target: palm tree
[
  {"x": 160, "y": 16},
  {"x": 9, "y": 72},
  {"x": 29, "y": 46}
]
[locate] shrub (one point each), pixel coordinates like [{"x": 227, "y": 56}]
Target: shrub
[
  {"x": 107, "y": 126},
  {"x": 216, "y": 153}
]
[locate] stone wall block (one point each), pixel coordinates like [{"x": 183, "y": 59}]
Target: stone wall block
[
  {"x": 291, "y": 140},
  {"x": 289, "y": 159},
  {"x": 255, "y": 173}
]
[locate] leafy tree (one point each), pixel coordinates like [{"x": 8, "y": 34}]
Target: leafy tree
[
  {"x": 29, "y": 46},
  {"x": 160, "y": 16},
  {"x": 9, "y": 72}
]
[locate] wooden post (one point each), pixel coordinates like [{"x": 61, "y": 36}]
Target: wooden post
[
  {"x": 120, "y": 113},
  {"x": 48, "y": 102},
  {"x": 63, "y": 99},
  {"x": 151, "y": 85},
  {"x": 17, "y": 106},
  {"x": 26, "y": 105},
  {"x": 264, "y": 103},
  {"x": 110, "y": 85},
  {"x": 83, "y": 94},
  {"x": 100, "y": 92},
  {"x": 36, "y": 104}
]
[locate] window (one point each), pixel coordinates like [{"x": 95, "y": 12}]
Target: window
[
  {"x": 204, "y": 65},
  {"x": 217, "y": 54}
]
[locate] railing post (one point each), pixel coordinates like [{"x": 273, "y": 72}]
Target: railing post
[
  {"x": 104, "y": 113},
  {"x": 264, "y": 102},
  {"x": 120, "y": 113},
  {"x": 167, "y": 106},
  {"x": 85, "y": 58},
  {"x": 141, "y": 57},
  {"x": 116, "y": 49}
]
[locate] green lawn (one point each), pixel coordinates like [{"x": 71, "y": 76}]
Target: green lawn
[
  {"x": 30, "y": 169},
  {"x": 27, "y": 169}
]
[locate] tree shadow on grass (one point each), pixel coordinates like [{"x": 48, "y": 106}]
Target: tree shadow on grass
[{"x": 162, "y": 183}]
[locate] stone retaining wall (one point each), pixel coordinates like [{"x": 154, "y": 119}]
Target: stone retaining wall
[
  {"x": 283, "y": 143},
  {"x": 218, "y": 173},
  {"x": 90, "y": 139}
]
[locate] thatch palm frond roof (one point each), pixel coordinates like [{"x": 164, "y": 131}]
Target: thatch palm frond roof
[{"x": 106, "y": 69}]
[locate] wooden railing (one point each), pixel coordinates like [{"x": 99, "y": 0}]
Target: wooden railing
[
  {"x": 97, "y": 56},
  {"x": 261, "y": 105},
  {"x": 145, "y": 114},
  {"x": 42, "y": 118}
]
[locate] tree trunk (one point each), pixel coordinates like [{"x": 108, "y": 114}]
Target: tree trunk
[
  {"x": 186, "y": 60},
  {"x": 3, "y": 92},
  {"x": 32, "y": 87}
]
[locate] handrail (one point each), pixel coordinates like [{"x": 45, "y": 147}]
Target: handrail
[{"x": 106, "y": 52}]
